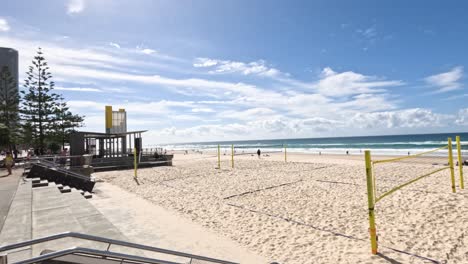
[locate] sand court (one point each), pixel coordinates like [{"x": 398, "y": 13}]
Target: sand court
[{"x": 313, "y": 211}]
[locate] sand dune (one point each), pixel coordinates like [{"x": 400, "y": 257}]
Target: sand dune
[{"x": 312, "y": 209}]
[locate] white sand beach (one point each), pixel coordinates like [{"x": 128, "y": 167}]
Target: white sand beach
[{"x": 312, "y": 209}]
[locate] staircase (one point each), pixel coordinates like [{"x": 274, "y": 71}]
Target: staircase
[{"x": 47, "y": 171}]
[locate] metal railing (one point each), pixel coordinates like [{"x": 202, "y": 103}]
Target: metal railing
[
  {"x": 51, "y": 164},
  {"x": 101, "y": 253}
]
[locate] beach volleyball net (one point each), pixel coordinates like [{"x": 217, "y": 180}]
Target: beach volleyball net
[{"x": 387, "y": 176}]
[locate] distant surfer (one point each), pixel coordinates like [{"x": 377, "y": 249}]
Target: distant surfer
[{"x": 259, "y": 153}]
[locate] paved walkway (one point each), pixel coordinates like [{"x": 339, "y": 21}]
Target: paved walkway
[
  {"x": 8, "y": 186},
  {"x": 44, "y": 211}
]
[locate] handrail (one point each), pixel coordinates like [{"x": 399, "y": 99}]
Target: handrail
[
  {"x": 94, "y": 252},
  {"x": 110, "y": 242},
  {"x": 50, "y": 164}
]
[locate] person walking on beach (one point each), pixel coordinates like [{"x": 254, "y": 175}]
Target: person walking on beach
[
  {"x": 9, "y": 162},
  {"x": 259, "y": 153}
]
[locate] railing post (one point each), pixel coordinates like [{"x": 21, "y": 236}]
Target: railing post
[
  {"x": 3, "y": 258},
  {"x": 135, "y": 166},
  {"x": 371, "y": 202},
  {"x": 452, "y": 171},
  {"x": 460, "y": 162}
]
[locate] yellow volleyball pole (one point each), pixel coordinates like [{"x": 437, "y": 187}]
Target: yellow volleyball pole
[
  {"x": 135, "y": 165},
  {"x": 232, "y": 155},
  {"x": 219, "y": 157},
  {"x": 452, "y": 171},
  {"x": 285, "y": 154},
  {"x": 370, "y": 199},
  {"x": 460, "y": 162}
]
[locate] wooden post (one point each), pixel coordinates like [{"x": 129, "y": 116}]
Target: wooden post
[
  {"x": 460, "y": 162},
  {"x": 370, "y": 200},
  {"x": 452, "y": 171},
  {"x": 219, "y": 157},
  {"x": 285, "y": 154},
  {"x": 232, "y": 155}
]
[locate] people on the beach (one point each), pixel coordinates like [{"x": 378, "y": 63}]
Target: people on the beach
[
  {"x": 9, "y": 162},
  {"x": 259, "y": 153},
  {"x": 347, "y": 152}
]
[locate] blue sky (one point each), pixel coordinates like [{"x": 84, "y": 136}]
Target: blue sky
[{"x": 229, "y": 70}]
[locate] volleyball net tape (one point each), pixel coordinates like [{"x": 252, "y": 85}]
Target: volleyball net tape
[{"x": 386, "y": 176}]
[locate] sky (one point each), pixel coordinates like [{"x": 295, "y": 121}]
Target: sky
[{"x": 191, "y": 71}]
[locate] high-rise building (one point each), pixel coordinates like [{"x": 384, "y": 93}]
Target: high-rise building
[{"x": 9, "y": 58}]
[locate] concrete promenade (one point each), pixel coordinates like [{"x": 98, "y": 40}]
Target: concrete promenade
[{"x": 8, "y": 186}]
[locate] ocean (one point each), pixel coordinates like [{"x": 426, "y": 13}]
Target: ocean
[{"x": 394, "y": 145}]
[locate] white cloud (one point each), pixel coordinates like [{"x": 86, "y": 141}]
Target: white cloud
[
  {"x": 204, "y": 62},
  {"x": 408, "y": 118},
  {"x": 225, "y": 66},
  {"x": 368, "y": 33},
  {"x": 78, "y": 89},
  {"x": 4, "y": 26},
  {"x": 202, "y": 110},
  {"x": 270, "y": 125},
  {"x": 462, "y": 117},
  {"x": 148, "y": 51},
  {"x": 316, "y": 124},
  {"x": 75, "y": 6},
  {"x": 115, "y": 45},
  {"x": 447, "y": 81},
  {"x": 349, "y": 83},
  {"x": 456, "y": 97},
  {"x": 249, "y": 114}
]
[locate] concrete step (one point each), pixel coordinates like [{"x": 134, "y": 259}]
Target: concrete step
[
  {"x": 65, "y": 189},
  {"x": 87, "y": 195},
  {"x": 59, "y": 186},
  {"x": 55, "y": 212},
  {"x": 62, "y": 176},
  {"x": 36, "y": 180},
  {"x": 41, "y": 183}
]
